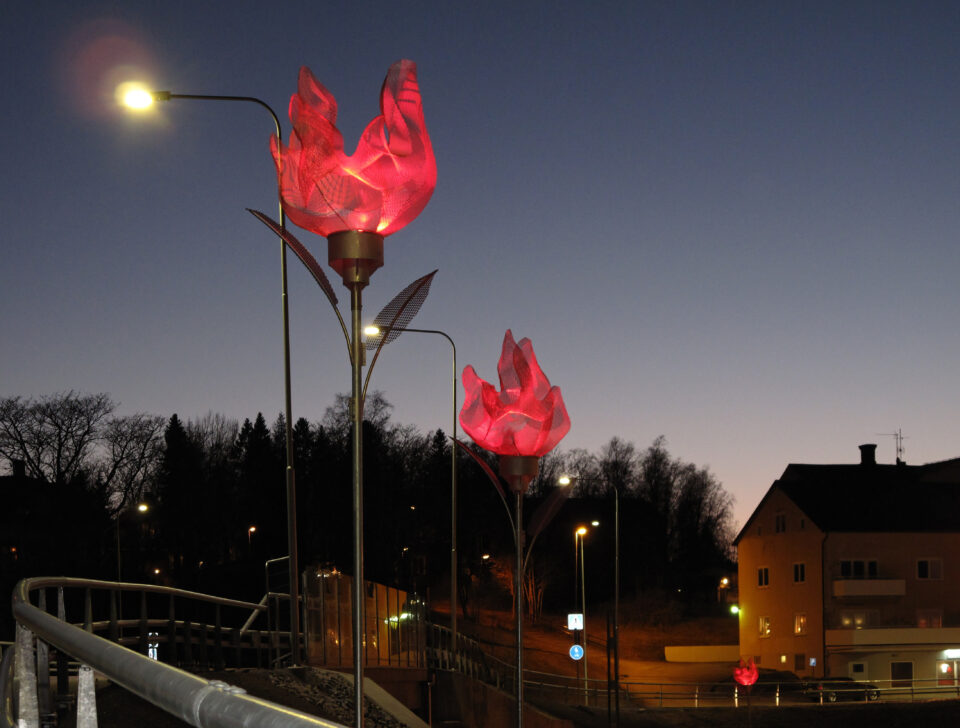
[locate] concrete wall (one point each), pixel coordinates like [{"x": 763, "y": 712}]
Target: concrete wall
[{"x": 477, "y": 705}]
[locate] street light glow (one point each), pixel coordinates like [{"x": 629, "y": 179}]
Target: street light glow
[
  {"x": 143, "y": 507},
  {"x": 582, "y": 531},
  {"x": 134, "y": 95},
  {"x": 371, "y": 331},
  {"x": 564, "y": 480}
]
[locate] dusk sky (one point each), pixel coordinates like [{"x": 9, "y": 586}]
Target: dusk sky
[{"x": 734, "y": 224}]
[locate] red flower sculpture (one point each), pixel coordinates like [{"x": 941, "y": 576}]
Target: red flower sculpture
[
  {"x": 526, "y": 417},
  {"x": 746, "y": 674},
  {"x": 381, "y": 187}
]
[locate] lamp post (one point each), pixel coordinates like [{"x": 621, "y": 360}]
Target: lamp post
[
  {"x": 567, "y": 480},
  {"x": 374, "y": 331},
  {"x": 578, "y": 535},
  {"x": 141, "y": 508},
  {"x": 140, "y": 98}
]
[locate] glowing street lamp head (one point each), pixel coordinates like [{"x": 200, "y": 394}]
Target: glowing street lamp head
[
  {"x": 135, "y": 96},
  {"x": 564, "y": 480},
  {"x": 143, "y": 507},
  {"x": 371, "y": 331},
  {"x": 582, "y": 531}
]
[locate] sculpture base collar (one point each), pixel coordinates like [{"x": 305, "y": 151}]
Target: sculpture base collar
[
  {"x": 519, "y": 471},
  {"x": 355, "y": 255}
]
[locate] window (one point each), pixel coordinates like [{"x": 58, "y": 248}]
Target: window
[
  {"x": 799, "y": 623},
  {"x": 902, "y": 674},
  {"x": 764, "y": 625},
  {"x": 799, "y": 662},
  {"x": 930, "y": 569},
  {"x": 854, "y": 620},
  {"x": 947, "y": 672},
  {"x": 783, "y": 659},
  {"x": 803, "y": 523},
  {"x": 763, "y": 576},
  {"x": 930, "y": 618},
  {"x": 780, "y": 522},
  {"x": 858, "y": 670},
  {"x": 858, "y": 569},
  {"x": 799, "y": 573}
]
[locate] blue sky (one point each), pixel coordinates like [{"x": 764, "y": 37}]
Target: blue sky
[{"x": 730, "y": 223}]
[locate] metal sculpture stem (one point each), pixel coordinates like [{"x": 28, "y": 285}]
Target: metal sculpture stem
[
  {"x": 518, "y": 590},
  {"x": 356, "y": 306},
  {"x": 616, "y": 603}
]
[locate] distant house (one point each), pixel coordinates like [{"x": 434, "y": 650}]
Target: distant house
[{"x": 854, "y": 570}]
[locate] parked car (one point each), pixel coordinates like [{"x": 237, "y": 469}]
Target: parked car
[{"x": 841, "y": 688}]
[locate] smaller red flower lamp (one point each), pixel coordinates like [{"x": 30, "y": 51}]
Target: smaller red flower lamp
[
  {"x": 746, "y": 674},
  {"x": 523, "y": 421}
]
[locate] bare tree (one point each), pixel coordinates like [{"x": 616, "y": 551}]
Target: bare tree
[
  {"x": 619, "y": 467},
  {"x": 67, "y": 436},
  {"x": 53, "y": 435},
  {"x": 131, "y": 448}
]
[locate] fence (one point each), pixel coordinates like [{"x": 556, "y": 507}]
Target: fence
[
  {"x": 393, "y": 634},
  {"x": 192, "y": 632}
]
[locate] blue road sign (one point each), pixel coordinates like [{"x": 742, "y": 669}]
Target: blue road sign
[{"x": 576, "y": 652}]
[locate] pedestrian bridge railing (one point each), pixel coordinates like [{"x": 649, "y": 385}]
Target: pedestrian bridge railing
[{"x": 166, "y": 625}]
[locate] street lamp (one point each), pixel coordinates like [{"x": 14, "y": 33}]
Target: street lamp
[
  {"x": 141, "y": 508},
  {"x": 250, "y": 531},
  {"x": 137, "y": 97},
  {"x": 374, "y": 334},
  {"x": 578, "y": 535},
  {"x": 566, "y": 480}
]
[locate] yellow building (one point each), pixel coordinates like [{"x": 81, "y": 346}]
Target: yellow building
[{"x": 854, "y": 570}]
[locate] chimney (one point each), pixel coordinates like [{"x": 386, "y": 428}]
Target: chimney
[{"x": 868, "y": 454}]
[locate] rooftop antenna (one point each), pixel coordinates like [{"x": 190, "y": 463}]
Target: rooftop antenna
[{"x": 899, "y": 438}]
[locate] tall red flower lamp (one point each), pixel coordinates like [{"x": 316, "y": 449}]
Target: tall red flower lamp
[
  {"x": 521, "y": 422},
  {"x": 355, "y": 201}
]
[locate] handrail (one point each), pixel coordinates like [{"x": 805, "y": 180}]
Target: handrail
[
  {"x": 6, "y": 695},
  {"x": 198, "y": 702},
  {"x": 42, "y": 582}
]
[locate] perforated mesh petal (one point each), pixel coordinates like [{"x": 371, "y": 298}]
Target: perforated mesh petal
[
  {"x": 396, "y": 315},
  {"x": 382, "y": 186},
  {"x": 526, "y": 417}
]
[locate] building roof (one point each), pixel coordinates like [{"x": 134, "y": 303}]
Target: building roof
[{"x": 873, "y": 498}]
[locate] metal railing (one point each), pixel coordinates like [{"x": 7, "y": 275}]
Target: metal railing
[{"x": 25, "y": 698}]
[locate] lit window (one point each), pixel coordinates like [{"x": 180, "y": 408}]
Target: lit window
[
  {"x": 799, "y": 573},
  {"x": 764, "y": 625},
  {"x": 929, "y": 569},
  {"x": 799, "y": 623},
  {"x": 763, "y": 576},
  {"x": 930, "y": 618},
  {"x": 783, "y": 659},
  {"x": 853, "y": 620}
]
